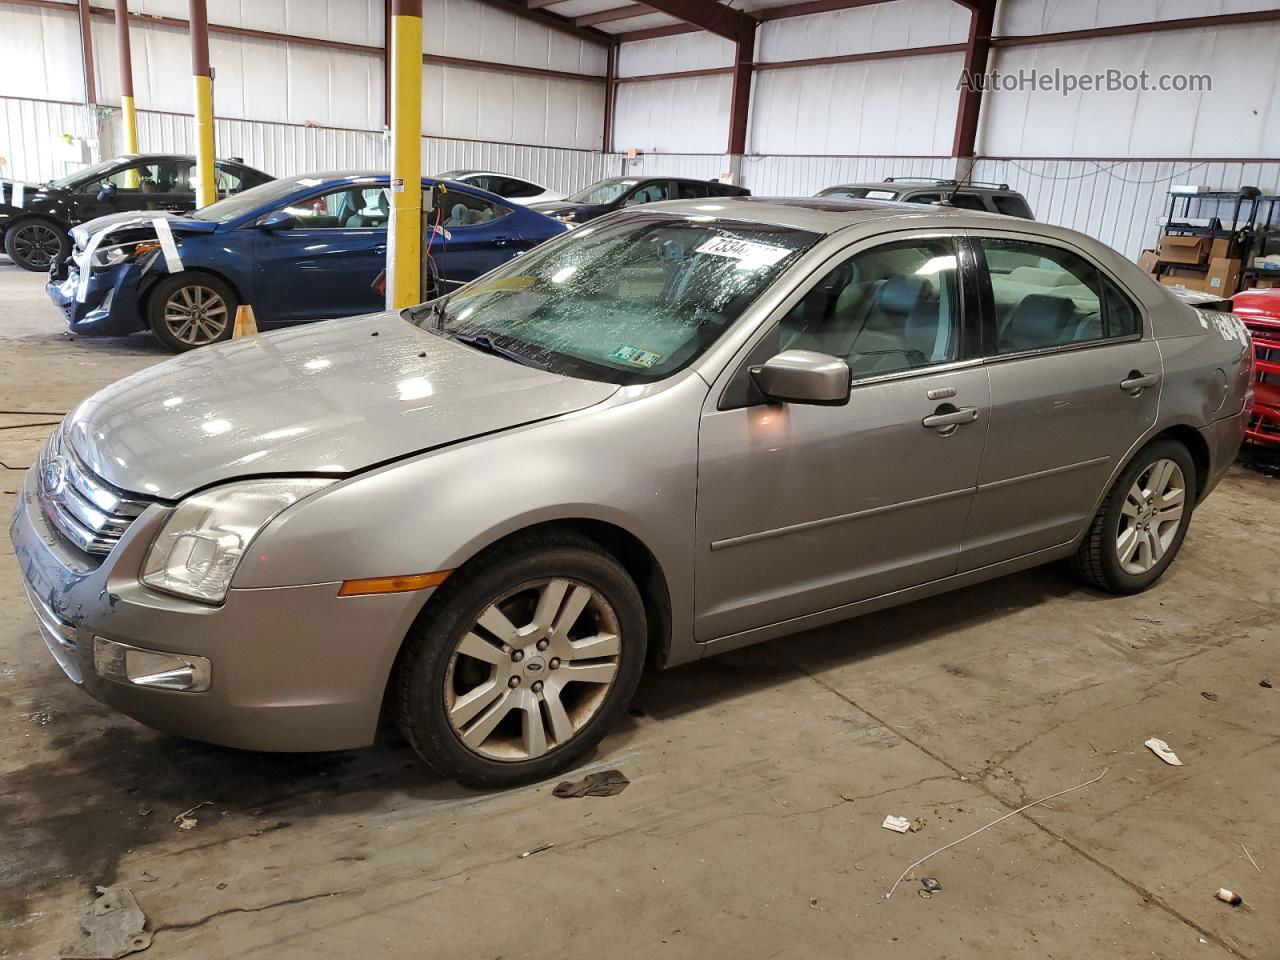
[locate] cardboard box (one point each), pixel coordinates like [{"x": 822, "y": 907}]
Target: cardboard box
[
  {"x": 1221, "y": 248},
  {"x": 1183, "y": 249},
  {"x": 1186, "y": 282},
  {"x": 1264, "y": 283},
  {"x": 1223, "y": 276},
  {"x": 1147, "y": 262}
]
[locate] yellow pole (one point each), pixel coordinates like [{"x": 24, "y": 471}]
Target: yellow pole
[
  {"x": 206, "y": 176},
  {"x": 404, "y": 232}
]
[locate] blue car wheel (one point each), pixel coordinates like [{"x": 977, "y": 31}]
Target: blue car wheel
[{"x": 191, "y": 310}]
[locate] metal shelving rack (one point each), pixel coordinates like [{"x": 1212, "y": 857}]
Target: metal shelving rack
[{"x": 1251, "y": 240}]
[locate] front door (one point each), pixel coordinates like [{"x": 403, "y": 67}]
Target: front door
[
  {"x": 325, "y": 264},
  {"x": 804, "y": 508},
  {"x": 1074, "y": 385},
  {"x": 160, "y": 185}
]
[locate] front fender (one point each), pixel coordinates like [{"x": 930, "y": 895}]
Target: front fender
[{"x": 630, "y": 462}]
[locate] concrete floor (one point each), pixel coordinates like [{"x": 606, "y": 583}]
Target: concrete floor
[{"x": 759, "y": 779}]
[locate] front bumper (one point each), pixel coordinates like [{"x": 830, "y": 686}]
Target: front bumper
[
  {"x": 113, "y": 299},
  {"x": 290, "y": 668}
]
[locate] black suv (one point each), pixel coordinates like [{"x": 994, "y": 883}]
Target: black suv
[
  {"x": 35, "y": 218},
  {"x": 970, "y": 195},
  {"x": 615, "y": 193}
]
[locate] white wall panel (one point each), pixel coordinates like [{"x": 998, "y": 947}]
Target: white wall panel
[
  {"x": 673, "y": 116},
  {"x": 485, "y": 105},
  {"x": 882, "y": 26},
  {"x": 873, "y": 107},
  {"x": 39, "y": 53},
  {"x": 706, "y": 166},
  {"x": 686, "y": 51},
  {"x": 476, "y": 31},
  {"x": 805, "y": 176},
  {"x": 31, "y": 137},
  {"x": 1053, "y": 16},
  {"x": 352, "y": 21},
  {"x": 1236, "y": 118}
]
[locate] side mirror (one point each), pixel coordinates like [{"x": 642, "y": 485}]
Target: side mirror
[
  {"x": 280, "y": 220},
  {"x": 803, "y": 376},
  {"x": 106, "y": 191}
]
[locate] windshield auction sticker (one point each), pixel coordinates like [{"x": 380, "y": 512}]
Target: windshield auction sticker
[
  {"x": 748, "y": 251},
  {"x": 635, "y": 356}
]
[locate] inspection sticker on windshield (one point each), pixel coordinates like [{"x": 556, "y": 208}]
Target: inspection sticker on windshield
[
  {"x": 635, "y": 356},
  {"x": 747, "y": 250}
]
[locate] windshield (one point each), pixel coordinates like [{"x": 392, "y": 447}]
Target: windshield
[
  {"x": 606, "y": 191},
  {"x": 86, "y": 174},
  {"x": 629, "y": 301},
  {"x": 266, "y": 195}
]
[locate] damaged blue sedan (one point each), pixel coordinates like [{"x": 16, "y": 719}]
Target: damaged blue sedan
[{"x": 296, "y": 250}]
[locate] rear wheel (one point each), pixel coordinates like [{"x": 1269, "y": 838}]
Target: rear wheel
[
  {"x": 1142, "y": 522},
  {"x": 190, "y": 310},
  {"x": 522, "y": 662},
  {"x": 34, "y": 244}
]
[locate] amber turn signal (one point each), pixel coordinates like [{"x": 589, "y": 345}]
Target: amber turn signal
[{"x": 413, "y": 581}]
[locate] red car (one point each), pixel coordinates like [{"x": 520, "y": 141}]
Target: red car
[{"x": 1260, "y": 311}]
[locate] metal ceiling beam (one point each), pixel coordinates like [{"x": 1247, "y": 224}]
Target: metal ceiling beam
[
  {"x": 552, "y": 20},
  {"x": 803, "y": 9},
  {"x": 539, "y": 4},
  {"x": 616, "y": 13},
  {"x": 1129, "y": 29},
  {"x": 653, "y": 33},
  {"x": 717, "y": 18}
]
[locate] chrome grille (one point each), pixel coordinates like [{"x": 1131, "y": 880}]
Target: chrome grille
[{"x": 87, "y": 511}]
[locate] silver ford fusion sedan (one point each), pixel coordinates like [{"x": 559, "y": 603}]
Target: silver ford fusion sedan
[{"x": 676, "y": 431}]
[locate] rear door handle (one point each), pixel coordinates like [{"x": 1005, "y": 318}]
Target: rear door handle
[
  {"x": 1136, "y": 382},
  {"x": 503, "y": 241},
  {"x": 948, "y": 418},
  {"x": 380, "y": 249}
]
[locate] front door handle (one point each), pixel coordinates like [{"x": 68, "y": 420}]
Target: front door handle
[
  {"x": 380, "y": 249},
  {"x": 946, "y": 419},
  {"x": 502, "y": 241},
  {"x": 1136, "y": 382}
]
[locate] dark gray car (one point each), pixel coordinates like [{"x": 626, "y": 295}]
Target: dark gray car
[
  {"x": 969, "y": 195},
  {"x": 675, "y": 431}
]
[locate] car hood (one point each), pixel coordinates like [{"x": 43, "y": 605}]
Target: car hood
[
  {"x": 556, "y": 208},
  {"x": 177, "y": 222},
  {"x": 33, "y": 195},
  {"x": 329, "y": 398}
]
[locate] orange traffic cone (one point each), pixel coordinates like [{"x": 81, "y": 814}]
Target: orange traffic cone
[{"x": 246, "y": 323}]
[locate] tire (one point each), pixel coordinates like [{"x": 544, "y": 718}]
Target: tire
[
  {"x": 500, "y": 702},
  {"x": 186, "y": 295},
  {"x": 34, "y": 243},
  {"x": 1145, "y": 520}
]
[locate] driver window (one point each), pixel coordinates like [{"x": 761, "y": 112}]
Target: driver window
[
  {"x": 154, "y": 176},
  {"x": 464, "y": 210},
  {"x": 894, "y": 307},
  {"x": 346, "y": 209},
  {"x": 650, "y": 193}
]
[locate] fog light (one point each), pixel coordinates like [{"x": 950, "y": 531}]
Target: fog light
[{"x": 150, "y": 668}]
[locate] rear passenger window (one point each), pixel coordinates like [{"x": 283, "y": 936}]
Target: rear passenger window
[
  {"x": 894, "y": 307},
  {"x": 690, "y": 191},
  {"x": 1049, "y": 297},
  {"x": 968, "y": 201},
  {"x": 464, "y": 210}
]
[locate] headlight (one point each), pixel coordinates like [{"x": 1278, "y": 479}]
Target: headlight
[
  {"x": 120, "y": 252},
  {"x": 564, "y": 217},
  {"x": 200, "y": 546}
]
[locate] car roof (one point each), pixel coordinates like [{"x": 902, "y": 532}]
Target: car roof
[
  {"x": 904, "y": 186},
  {"x": 827, "y": 215}
]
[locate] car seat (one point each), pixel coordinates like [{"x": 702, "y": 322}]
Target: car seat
[{"x": 1039, "y": 320}]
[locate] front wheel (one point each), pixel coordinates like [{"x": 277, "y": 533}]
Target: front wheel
[
  {"x": 34, "y": 244},
  {"x": 522, "y": 663},
  {"x": 189, "y": 310},
  {"x": 1142, "y": 522}
]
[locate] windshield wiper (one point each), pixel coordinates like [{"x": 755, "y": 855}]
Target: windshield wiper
[{"x": 481, "y": 342}]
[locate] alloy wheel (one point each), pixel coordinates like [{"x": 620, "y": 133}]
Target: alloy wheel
[
  {"x": 533, "y": 670},
  {"x": 1150, "y": 516},
  {"x": 196, "y": 315},
  {"x": 36, "y": 243}
]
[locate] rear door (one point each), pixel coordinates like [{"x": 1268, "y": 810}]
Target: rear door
[
  {"x": 803, "y": 508},
  {"x": 325, "y": 265},
  {"x": 1075, "y": 383},
  {"x": 475, "y": 235}
]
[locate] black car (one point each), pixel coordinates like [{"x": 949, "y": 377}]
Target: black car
[
  {"x": 615, "y": 193},
  {"x": 35, "y": 218}
]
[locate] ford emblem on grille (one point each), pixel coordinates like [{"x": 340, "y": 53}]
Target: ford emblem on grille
[{"x": 55, "y": 476}]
